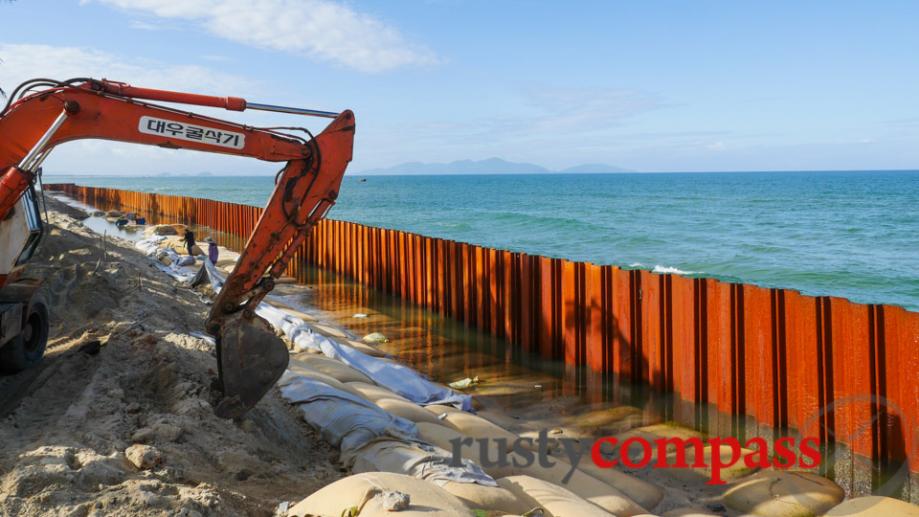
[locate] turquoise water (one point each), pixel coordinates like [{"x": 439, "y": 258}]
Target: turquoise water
[{"x": 850, "y": 234}]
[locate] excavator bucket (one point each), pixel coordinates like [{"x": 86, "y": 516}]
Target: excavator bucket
[{"x": 251, "y": 358}]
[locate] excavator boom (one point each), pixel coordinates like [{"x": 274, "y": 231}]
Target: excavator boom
[{"x": 250, "y": 356}]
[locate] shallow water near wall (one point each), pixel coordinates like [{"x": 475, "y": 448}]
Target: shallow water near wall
[{"x": 523, "y": 392}]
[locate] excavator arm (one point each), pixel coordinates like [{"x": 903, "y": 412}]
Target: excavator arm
[{"x": 250, "y": 356}]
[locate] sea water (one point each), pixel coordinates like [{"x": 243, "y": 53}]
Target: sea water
[{"x": 849, "y": 234}]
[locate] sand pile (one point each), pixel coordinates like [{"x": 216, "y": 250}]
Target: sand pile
[{"x": 119, "y": 421}]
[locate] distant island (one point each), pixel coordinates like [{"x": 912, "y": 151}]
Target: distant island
[{"x": 489, "y": 166}]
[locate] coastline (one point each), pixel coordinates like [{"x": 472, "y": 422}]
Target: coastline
[{"x": 504, "y": 385}]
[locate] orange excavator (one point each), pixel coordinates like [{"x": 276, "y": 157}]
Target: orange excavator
[{"x": 43, "y": 113}]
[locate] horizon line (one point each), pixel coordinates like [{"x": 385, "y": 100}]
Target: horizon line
[{"x": 534, "y": 173}]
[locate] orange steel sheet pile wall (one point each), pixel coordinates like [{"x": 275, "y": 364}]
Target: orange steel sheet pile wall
[{"x": 822, "y": 365}]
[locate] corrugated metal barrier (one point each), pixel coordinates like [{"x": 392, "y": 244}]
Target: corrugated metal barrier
[{"x": 822, "y": 365}]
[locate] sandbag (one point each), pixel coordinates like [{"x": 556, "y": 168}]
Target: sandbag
[
  {"x": 468, "y": 482},
  {"x": 553, "y": 499},
  {"x": 373, "y": 393},
  {"x": 490, "y": 498},
  {"x": 440, "y": 409},
  {"x": 364, "y": 492},
  {"x": 443, "y": 437},
  {"x": 610, "y": 495},
  {"x": 477, "y": 427},
  {"x": 300, "y": 368},
  {"x": 646, "y": 494},
  {"x": 333, "y": 368},
  {"x": 873, "y": 506},
  {"x": 365, "y": 348},
  {"x": 585, "y": 486},
  {"x": 165, "y": 229},
  {"x": 407, "y": 410},
  {"x": 344, "y": 420}
]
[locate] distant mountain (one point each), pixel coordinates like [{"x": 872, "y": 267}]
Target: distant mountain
[
  {"x": 594, "y": 167},
  {"x": 489, "y": 166}
]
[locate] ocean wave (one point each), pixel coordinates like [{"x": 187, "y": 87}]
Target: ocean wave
[
  {"x": 672, "y": 270},
  {"x": 663, "y": 269}
]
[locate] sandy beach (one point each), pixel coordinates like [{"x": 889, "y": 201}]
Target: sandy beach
[{"x": 121, "y": 368}]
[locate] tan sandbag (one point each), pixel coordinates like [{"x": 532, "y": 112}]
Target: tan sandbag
[
  {"x": 390, "y": 456},
  {"x": 689, "y": 511},
  {"x": 490, "y": 498},
  {"x": 300, "y": 368},
  {"x": 440, "y": 409},
  {"x": 585, "y": 486},
  {"x": 555, "y": 500},
  {"x": 651, "y": 433},
  {"x": 784, "y": 493},
  {"x": 410, "y": 459},
  {"x": 407, "y": 410},
  {"x": 646, "y": 494},
  {"x": 698, "y": 475},
  {"x": 364, "y": 492},
  {"x": 873, "y": 506},
  {"x": 373, "y": 392},
  {"x": 477, "y": 427},
  {"x": 333, "y": 368},
  {"x": 443, "y": 436}
]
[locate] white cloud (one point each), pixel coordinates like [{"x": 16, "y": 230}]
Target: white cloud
[
  {"x": 326, "y": 30},
  {"x": 27, "y": 61}
]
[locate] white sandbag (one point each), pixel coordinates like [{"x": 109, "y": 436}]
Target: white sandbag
[
  {"x": 555, "y": 500},
  {"x": 344, "y": 420},
  {"x": 333, "y": 368},
  {"x": 407, "y": 410},
  {"x": 365, "y": 494},
  {"x": 373, "y": 393}
]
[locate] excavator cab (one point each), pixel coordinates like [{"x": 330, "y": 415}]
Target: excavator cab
[{"x": 43, "y": 113}]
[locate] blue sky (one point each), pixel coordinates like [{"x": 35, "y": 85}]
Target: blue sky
[{"x": 646, "y": 85}]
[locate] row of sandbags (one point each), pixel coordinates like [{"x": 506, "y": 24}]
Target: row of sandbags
[
  {"x": 379, "y": 443},
  {"x": 399, "y": 449}
]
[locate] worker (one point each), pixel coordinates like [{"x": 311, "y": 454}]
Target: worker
[
  {"x": 189, "y": 240},
  {"x": 212, "y": 252}
]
